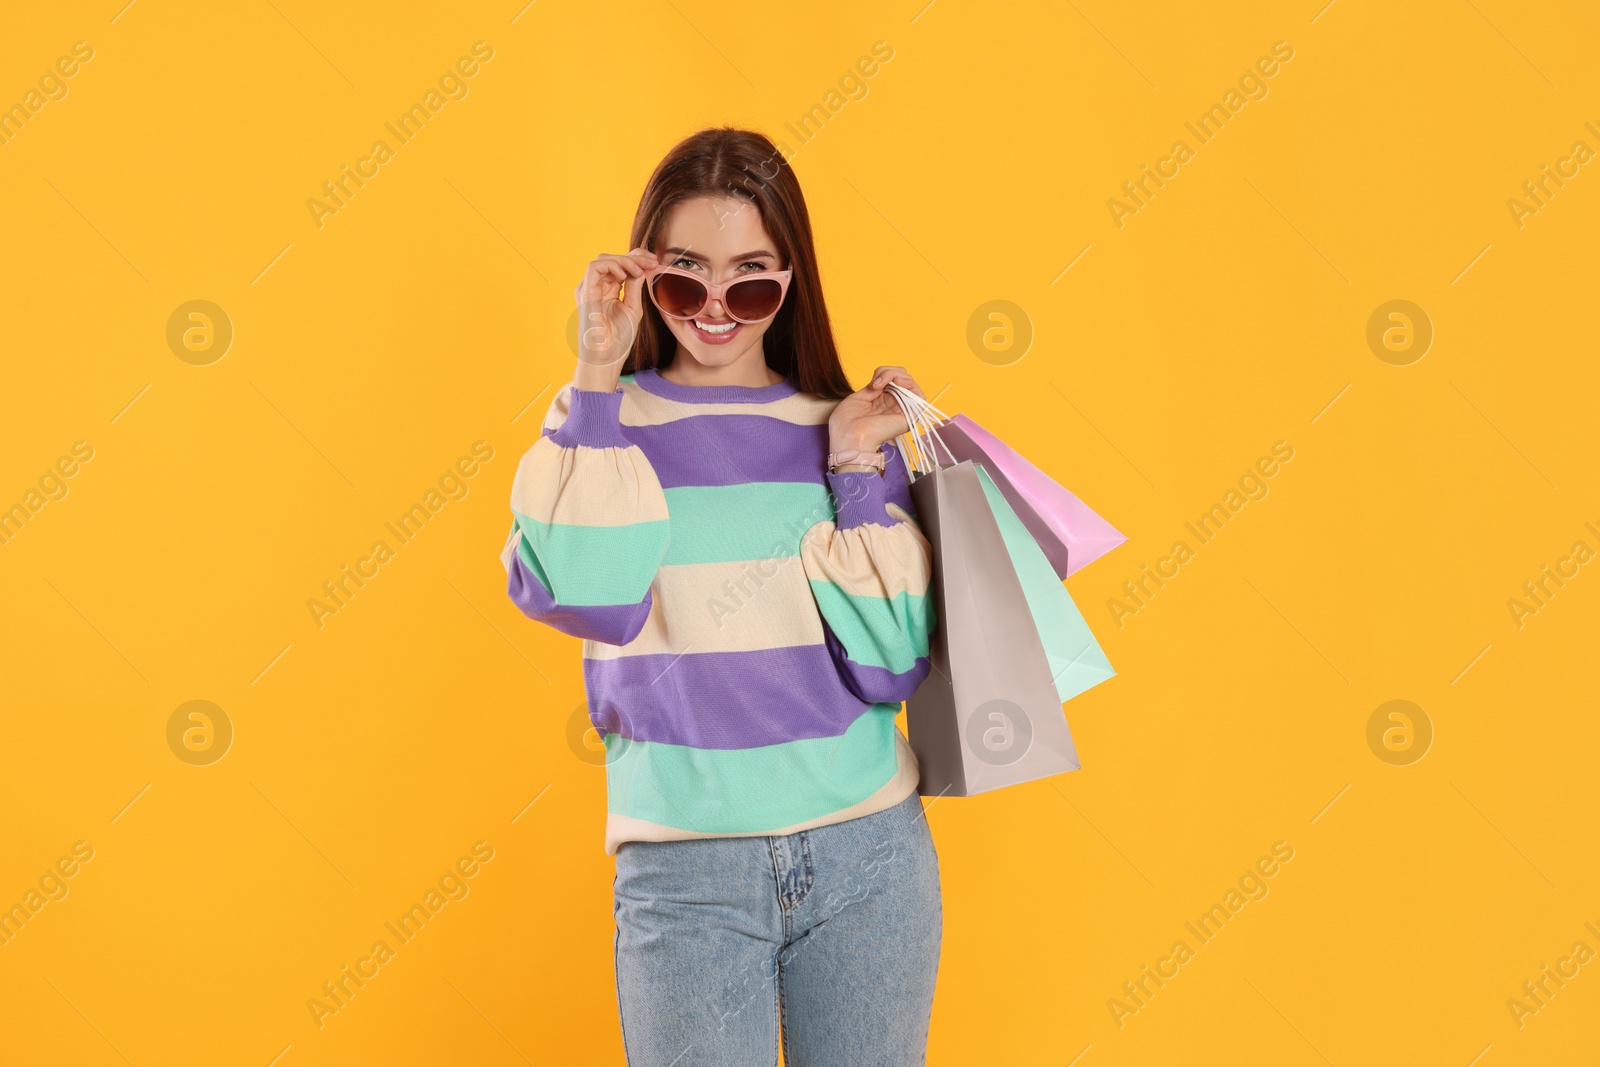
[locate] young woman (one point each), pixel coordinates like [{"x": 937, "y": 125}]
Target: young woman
[{"x": 728, "y": 527}]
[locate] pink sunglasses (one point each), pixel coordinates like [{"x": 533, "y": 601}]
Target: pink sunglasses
[{"x": 680, "y": 294}]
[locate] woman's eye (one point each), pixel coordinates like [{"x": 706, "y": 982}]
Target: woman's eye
[{"x": 684, "y": 264}]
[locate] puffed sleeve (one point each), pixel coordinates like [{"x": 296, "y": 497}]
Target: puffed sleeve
[
  {"x": 869, "y": 571},
  {"x": 589, "y": 523}
]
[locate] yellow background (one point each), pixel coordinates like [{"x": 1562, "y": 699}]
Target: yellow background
[{"x": 369, "y": 354}]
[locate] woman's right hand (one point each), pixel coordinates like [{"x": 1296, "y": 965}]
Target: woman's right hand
[{"x": 606, "y": 325}]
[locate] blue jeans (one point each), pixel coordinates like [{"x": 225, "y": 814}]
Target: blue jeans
[{"x": 834, "y": 931}]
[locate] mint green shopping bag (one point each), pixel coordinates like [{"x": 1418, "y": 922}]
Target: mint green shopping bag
[{"x": 1077, "y": 662}]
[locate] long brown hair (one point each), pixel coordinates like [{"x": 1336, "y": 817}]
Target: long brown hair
[{"x": 729, "y": 162}]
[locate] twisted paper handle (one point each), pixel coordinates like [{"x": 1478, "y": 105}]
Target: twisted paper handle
[{"x": 923, "y": 420}]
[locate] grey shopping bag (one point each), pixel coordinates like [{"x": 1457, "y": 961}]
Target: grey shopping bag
[{"x": 988, "y": 714}]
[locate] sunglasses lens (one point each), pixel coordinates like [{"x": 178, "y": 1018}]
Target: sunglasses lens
[
  {"x": 677, "y": 294},
  {"x": 754, "y": 298}
]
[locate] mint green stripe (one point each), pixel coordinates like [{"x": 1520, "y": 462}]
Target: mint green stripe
[
  {"x": 877, "y": 632},
  {"x": 531, "y": 561},
  {"x": 1076, "y": 660},
  {"x": 748, "y": 790},
  {"x": 732, "y": 523},
  {"x": 587, "y": 566}
]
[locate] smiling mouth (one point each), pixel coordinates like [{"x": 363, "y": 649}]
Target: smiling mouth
[{"x": 716, "y": 328}]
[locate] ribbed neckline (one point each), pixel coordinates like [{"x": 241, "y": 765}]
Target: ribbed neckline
[{"x": 652, "y": 382}]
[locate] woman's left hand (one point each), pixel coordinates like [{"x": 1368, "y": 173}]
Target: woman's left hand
[{"x": 868, "y": 417}]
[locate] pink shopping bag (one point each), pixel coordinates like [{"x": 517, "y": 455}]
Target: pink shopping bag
[{"x": 1068, "y": 530}]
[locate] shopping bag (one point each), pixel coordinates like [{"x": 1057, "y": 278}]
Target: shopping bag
[
  {"x": 1070, "y": 533},
  {"x": 988, "y": 714},
  {"x": 1077, "y": 661},
  {"x": 1068, "y": 530}
]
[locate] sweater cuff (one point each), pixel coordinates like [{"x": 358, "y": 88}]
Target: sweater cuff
[
  {"x": 859, "y": 498},
  {"x": 594, "y": 420}
]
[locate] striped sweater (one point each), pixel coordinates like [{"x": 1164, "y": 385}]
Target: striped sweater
[{"x": 750, "y": 621}]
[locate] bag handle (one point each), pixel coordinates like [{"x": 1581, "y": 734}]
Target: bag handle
[
  {"x": 918, "y": 402},
  {"x": 913, "y": 458},
  {"x": 923, "y": 420}
]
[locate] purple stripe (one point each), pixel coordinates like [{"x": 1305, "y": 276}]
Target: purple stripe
[
  {"x": 896, "y": 482},
  {"x": 612, "y": 624},
  {"x": 650, "y": 381},
  {"x": 874, "y": 684},
  {"x": 721, "y": 700},
  {"x": 592, "y": 421},
  {"x": 860, "y": 496},
  {"x": 724, "y": 449},
  {"x": 732, "y": 450}
]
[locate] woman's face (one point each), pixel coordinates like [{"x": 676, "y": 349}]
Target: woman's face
[{"x": 718, "y": 239}]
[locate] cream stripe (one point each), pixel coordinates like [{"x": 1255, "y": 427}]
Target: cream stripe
[
  {"x": 620, "y": 828},
  {"x": 584, "y": 486},
  {"x": 693, "y": 610},
  {"x": 640, "y": 408},
  {"x": 870, "y": 560}
]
